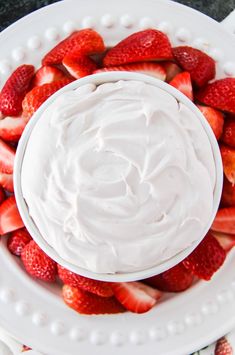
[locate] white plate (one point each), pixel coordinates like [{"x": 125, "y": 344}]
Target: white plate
[{"x": 34, "y": 312}]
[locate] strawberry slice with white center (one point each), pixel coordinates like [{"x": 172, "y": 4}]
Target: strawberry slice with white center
[
  {"x": 172, "y": 69},
  {"x": 183, "y": 83},
  {"x": 10, "y": 219},
  {"x": 7, "y": 156},
  {"x": 135, "y": 296},
  {"x": 227, "y": 241},
  {"x": 47, "y": 74},
  {"x": 11, "y": 128},
  {"x": 6, "y": 181},
  {"x": 79, "y": 65},
  {"x": 148, "y": 68}
]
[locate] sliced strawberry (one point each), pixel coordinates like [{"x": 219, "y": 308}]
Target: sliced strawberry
[
  {"x": 88, "y": 303},
  {"x": 224, "y": 221},
  {"x": 100, "y": 288},
  {"x": 200, "y": 66},
  {"x": 7, "y": 156},
  {"x": 227, "y": 241},
  {"x": 87, "y": 41},
  {"x": 18, "y": 240},
  {"x": 10, "y": 219},
  {"x": 228, "y": 194},
  {"x": 228, "y": 136},
  {"x": 220, "y": 94},
  {"x": 206, "y": 259},
  {"x": 182, "y": 82},
  {"x": 140, "y": 46},
  {"x": 135, "y": 296},
  {"x": 172, "y": 69},
  {"x": 37, "y": 263},
  {"x": 79, "y": 65},
  {"x": 214, "y": 118},
  {"x": 6, "y": 181},
  {"x": 15, "y": 89},
  {"x": 176, "y": 279},
  {"x": 2, "y": 195},
  {"x": 223, "y": 347},
  {"x": 11, "y": 128},
  {"x": 46, "y": 75},
  {"x": 228, "y": 158},
  {"x": 35, "y": 98},
  {"x": 149, "y": 68}
]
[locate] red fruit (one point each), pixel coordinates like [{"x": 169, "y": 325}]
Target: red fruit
[
  {"x": 176, "y": 279},
  {"x": 46, "y": 75},
  {"x": 15, "y": 89},
  {"x": 206, "y": 259},
  {"x": 228, "y": 158},
  {"x": 6, "y": 181},
  {"x": 135, "y": 296},
  {"x": 10, "y": 219},
  {"x": 228, "y": 194},
  {"x": 35, "y": 98},
  {"x": 200, "y": 66},
  {"x": 7, "y": 156},
  {"x": 227, "y": 241},
  {"x": 11, "y": 128},
  {"x": 149, "y": 68},
  {"x": 182, "y": 82},
  {"x": 79, "y": 65},
  {"x": 88, "y": 303},
  {"x": 214, "y": 118},
  {"x": 2, "y": 195},
  {"x": 224, "y": 221},
  {"x": 37, "y": 263},
  {"x": 86, "y": 41},
  {"x": 100, "y": 288},
  {"x": 140, "y": 46},
  {"x": 172, "y": 69},
  {"x": 223, "y": 347},
  {"x": 18, "y": 240},
  {"x": 220, "y": 94},
  {"x": 228, "y": 136}
]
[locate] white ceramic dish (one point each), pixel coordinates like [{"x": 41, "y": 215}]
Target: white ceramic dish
[{"x": 34, "y": 312}]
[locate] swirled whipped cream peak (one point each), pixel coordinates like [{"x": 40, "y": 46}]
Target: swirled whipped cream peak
[{"x": 118, "y": 177}]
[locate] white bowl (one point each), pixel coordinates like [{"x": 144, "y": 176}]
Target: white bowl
[{"x": 22, "y": 205}]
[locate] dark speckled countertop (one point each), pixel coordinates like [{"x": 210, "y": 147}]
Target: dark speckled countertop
[{"x": 11, "y": 10}]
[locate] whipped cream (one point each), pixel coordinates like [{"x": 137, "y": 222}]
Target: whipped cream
[{"x": 119, "y": 177}]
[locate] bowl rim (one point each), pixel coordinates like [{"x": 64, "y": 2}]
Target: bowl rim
[{"x": 97, "y": 79}]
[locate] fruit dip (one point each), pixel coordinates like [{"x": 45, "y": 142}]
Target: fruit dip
[{"x": 118, "y": 177}]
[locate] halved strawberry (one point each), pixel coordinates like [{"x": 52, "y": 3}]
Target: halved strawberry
[
  {"x": 7, "y": 156},
  {"x": 200, "y": 66},
  {"x": 215, "y": 119},
  {"x": 11, "y": 128},
  {"x": 224, "y": 221},
  {"x": 223, "y": 347},
  {"x": 135, "y": 296},
  {"x": 47, "y": 74},
  {"x": 100, "y": 288},
  {"x": 6, "y": 181},
  {"x": 2, "y": 195},
  {"x": 220, "y": 94},
  {"x": 176, "y": 279},
  {"x": 35, "y": 98},
  {"x": 182, "y": 82},
  {"x": 149, "y": 68},
  {"x": 227, "y": 241},
  {"x": 88, "y": 303},
  {"x": 228, "y": 194},
  {"x": 10, "y": 219},
  {"x": 87, "y": 41},
  {"x": 15, "y": 89},
  {"x": 79, "y": 65},
  {"x": 206, "y": 259},
  {"x": 172, "y": 69},
  {"x": 141, "y": 46},
  {"x": 18, "y": 240},
  {"x": 228, "y": 136},
  {"x": 228, "y": 158}
]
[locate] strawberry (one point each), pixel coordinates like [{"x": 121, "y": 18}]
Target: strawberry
[
  {"x": 149, "y": 68},
  {"x": 10, "y": 219},
  {"x": 214, "y": 118},
  {"x": 228, "y": 136},
  {"x": 37, "y": 263},
  {"x": 46, "y": 75},
  {"x": 228, "y": 194},
  {"x": 223, "y": 347},
  {"x": 227, "y": 241},
  {"x": 200, "y": 66},
  {"x": 6, "y": 181},
  {"x": 35, "y": 98},
  {"x": 7, "y": 156},
  {"x": 220, "y": 94},
  {"x": 172, "y": 69},
  {"x": 86, "y": 41},
  {"x": 100, "y": 288},
  {"x": 11, "y": 128},
  {"x": 140, "y": 46},
  {"x": 2, "y": 195},
  {"x": 182, "y": 82},
  {"x": 79, "y": 65},
  {"x": 228, "y": 158},
  {"x": 18, "y": 240},
  {"x": 25, "y": 348},
  {"x": 206, "y": 259},
  {"x": 15, "y": 89},
  {"x": 176, "y": 279},
  {"x": 224, "y": 221},
  {"x": 88, "y": 303},
  {"x": 135, "y": 296}
]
